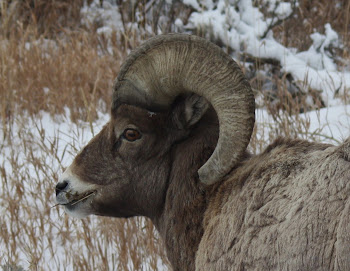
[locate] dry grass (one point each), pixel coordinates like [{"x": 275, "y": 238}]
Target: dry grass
[
  {"x": 74, "y": 70},
  {"x": 40, "y": 74},
  {"x": 70, "y": 70},
  {"x": 44, "y": 17}
]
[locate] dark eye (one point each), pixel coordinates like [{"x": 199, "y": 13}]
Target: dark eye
[{"x": 131, "y": 134}]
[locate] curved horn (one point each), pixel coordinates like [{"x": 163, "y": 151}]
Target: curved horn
[{"x": 168, "y": 65}]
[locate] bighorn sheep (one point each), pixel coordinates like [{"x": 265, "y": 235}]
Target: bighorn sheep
[{"x": 163, "y": 155}]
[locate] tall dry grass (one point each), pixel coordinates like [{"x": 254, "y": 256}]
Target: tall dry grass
[
  {"x": 56, "y": 69},
  {"x": 42, "y": 74},
  {"x": 49, "y": 63},
  {"x": 44, "y": 17}
]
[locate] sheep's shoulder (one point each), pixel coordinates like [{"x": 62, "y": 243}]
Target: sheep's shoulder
[{"x": 285, "y": 209}]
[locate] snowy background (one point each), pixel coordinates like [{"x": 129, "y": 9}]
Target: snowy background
[{"x": 241, "y": 29}]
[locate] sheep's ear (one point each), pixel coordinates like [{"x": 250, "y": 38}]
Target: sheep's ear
[{"x": 188, "y": 110}]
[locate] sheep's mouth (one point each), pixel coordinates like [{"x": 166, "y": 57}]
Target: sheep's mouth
[{"x": 80, "y": 198}]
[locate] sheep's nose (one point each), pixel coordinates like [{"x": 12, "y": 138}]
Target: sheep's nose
[{"x": 61, "y": 186}]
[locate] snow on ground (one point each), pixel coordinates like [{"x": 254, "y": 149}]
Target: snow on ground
[
  {"x": 28, "y": 139},
  {"x": 108, "y": 14},
  {"x": 327, "y": 125},
  {"x": 331, "y": 124}
]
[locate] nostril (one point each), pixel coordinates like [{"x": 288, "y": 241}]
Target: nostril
[{"x": 61, "y": 186}]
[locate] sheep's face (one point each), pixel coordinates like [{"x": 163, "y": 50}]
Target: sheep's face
[{"x": 123, "y": 171}]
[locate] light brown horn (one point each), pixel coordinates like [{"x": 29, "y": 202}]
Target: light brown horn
[{"x": 168, "y": 65}]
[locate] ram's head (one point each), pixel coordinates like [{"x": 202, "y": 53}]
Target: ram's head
[{"x": 163, "y": 91}]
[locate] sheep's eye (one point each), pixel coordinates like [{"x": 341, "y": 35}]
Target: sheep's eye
[{"x": 131, "y": 134}]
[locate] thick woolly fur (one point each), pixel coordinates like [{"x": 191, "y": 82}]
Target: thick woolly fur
[{"x": 286, "y": 209}]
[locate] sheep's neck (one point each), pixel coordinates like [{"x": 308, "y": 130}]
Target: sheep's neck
[
  {"x": 180, "y": 222},
  {"x": 180, "y": 225}
]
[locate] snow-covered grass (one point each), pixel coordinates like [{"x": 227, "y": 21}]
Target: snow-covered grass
[
  {"x": 38, "y": 235},
  {"x": 54, "y": 96}
]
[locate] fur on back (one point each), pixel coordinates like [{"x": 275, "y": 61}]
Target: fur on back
[{"x": 285, "y": 209}]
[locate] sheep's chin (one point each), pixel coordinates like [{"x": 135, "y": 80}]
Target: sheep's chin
[{"x": 80, "y": 210}]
